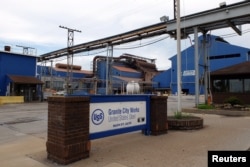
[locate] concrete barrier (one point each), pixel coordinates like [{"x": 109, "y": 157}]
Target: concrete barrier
[{"x": 11, "y": 99}]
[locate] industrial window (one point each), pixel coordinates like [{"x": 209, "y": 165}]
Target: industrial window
[
  {"x": 231, "y": 85},
  {"x": 58, "y": 85},
  {"x": 47, "y": 84},
  {"x": 220, "y": 85},
  {"x": 224, "y": 56},
  {"x": 236, "y": 85},
  {"x": 247, "y": 85}
]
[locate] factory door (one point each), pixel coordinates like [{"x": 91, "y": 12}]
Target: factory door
[{"x": 27, "y": 91}]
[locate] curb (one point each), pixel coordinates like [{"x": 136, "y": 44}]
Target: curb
[{"x": 217, "y": 112}]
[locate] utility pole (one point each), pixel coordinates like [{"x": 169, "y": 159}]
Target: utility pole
[
  {"x": 70, "y": 43},
  {"x": 178, "y": 38},
  {"x": 196, "y": 62}
]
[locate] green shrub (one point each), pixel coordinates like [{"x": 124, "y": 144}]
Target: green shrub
[
  {"x": 180, "y": 115},
  {"x": 205, "y": 106},
  {"x": 233, "y": 100}
]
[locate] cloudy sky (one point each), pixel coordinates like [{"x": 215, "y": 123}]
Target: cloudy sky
[{"x": 35, "y": 23}]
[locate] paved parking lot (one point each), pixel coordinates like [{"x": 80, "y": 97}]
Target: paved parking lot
[{"x": 23, "y": 129}]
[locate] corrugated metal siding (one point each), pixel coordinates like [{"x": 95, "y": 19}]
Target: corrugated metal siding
[
  {"x": 125, "y": 69},
  {"x": 216, "y": 48},
  {"x": 15, "y": 64}
]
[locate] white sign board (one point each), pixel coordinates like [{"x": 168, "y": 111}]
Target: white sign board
[
  {"x": 116, "y": 115},
  {"x": 189, "y": 73}
]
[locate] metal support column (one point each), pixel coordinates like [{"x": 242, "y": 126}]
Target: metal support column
[
  {"x": 196, "y": 64},
  {"x": 51, "y": 74},
  {"x": 204, "y": 44},
  {"x": 178, "y": 32},
  {"x": 109, "y": 61},
  {"x": 70, "y": 43}
]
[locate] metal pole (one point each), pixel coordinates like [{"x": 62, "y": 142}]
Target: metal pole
[
  {"x": 205, "y": 68},
  {"x": 109, "y": 69},
  {"x": 196, "y": 62},
  {"x": 178, "y": 33},
  {"x": 51, "y": 75}
]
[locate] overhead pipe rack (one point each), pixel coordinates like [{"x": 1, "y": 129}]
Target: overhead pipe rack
[{"x": 222, "y": 17}]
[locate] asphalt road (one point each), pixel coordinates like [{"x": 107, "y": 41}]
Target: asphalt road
[{"x": 23, "y": 129}]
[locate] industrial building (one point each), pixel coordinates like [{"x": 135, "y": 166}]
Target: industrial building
[
  {"x": 18, "y": 75},
  {"x": 54, "y": 78},
  {"x": 123, "y": 69},
  {"x": 21, "y": 76},
  {"x": 220, "y": 54}
]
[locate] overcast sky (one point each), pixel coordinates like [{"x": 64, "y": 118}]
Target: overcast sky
[{"x": 35, "y": 23}]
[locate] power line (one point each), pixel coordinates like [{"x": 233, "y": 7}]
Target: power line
[
  {"x": 142, "y": 45},
  {"x": 234, "y": 34},
  {"x": 125, "y": 48},
  {"x": 150, "y": 43}
]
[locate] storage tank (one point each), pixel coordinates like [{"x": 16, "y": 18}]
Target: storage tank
[{"x": 133, "y": 88}]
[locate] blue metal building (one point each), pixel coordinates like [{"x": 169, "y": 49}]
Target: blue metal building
[
  {"x": 18, "y": 76},
  {"x": 55, "y": 77},
  {"x": 121, "y": 74},
  {"x": 220, "y": 54},
  {"x": 124, "y": 69},
  {"x": 121, "y": 70}
]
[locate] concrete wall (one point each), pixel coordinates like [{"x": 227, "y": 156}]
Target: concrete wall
[{"x": 11, "y": 99}]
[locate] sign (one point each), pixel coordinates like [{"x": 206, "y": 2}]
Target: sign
[
  {"x": 116, "y": 115},
  {"x": 189, "y": 73}
]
